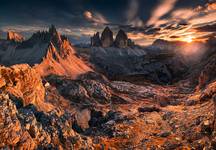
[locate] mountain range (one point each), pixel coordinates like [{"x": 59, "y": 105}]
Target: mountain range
[{"x": 106, "y": 95}]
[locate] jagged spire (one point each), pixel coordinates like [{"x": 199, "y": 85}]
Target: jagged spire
[
  {"x": 121, "y": 40},
  {"x": 55, "y": 36},
  {"x": 52, "y": 29},
  {"x": 107, "y": 37}
]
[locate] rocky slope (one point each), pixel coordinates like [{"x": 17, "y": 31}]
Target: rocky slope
[
  {"x": 48, "y": 51},
  {"x": 94, "y": 113},
  {"x": 128, "y": 63}
]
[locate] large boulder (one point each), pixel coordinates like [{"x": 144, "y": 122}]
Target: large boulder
[
  {"x": 121, "y": 40},
  {"x": 107, "y": 37}
]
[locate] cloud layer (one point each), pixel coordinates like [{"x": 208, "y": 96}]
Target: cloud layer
[{"x": 164, "y": 7}]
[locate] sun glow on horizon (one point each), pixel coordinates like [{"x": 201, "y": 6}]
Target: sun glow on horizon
[{"x": 188, "y": 39}]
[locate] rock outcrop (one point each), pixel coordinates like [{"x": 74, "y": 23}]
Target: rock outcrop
[
  {"x": 13, "y": 36},
  {"x": 25, "y": 83},
  {"x": 95, "y": 40},
  {"x": 207, "y": 74},
  {"x": 89, "y": 89},
  {"x": 107, "y": 37},
  {"x": 27, "y": 128}
]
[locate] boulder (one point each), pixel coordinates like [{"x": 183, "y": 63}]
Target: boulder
[
  {"x": 25, "y": 83},
  {"x": 107, "y": 37}
]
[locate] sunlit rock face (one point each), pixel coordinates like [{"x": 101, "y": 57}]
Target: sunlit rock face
[
  {"x": 48, "y": 51},
  {"x": 13, "y": 36},
  {"x": 25, "y": 83},
  {"x": 107, "y": 37}
]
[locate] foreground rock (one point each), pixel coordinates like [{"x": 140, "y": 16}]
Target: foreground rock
[
  {"x": 28, "y": 128},
  {"x": 25, "y": 83}
]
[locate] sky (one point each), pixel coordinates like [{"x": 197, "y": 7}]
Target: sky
[{"x": 143, "y": 20}]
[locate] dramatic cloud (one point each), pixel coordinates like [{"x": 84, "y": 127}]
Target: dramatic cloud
[
  {"x": 95, "y": 18},
  {"x": 162, "y": 9},
  {"x": 132, "y": 14},
  {"x": 143, "y": 20},
  {"x": 183, "y": 14},
  {"x": 207, "y": 28}
]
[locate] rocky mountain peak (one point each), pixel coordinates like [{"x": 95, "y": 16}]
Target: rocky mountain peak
[
  {"x": 121, "y": 40},
  {"x": 13, "y": 36},
  {"x": 95, "y": 40},
  {"x": 107, "y": 37},
  {"x": 55, "y": 37},
  {"x": 53, "y": 30},
  {"x": 106, "y": 40}
]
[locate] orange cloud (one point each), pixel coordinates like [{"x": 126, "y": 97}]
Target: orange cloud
[
  {"x": 141, "y": 38},
  {"x": 162, "y": 9},
  {"x": 95, "y": 18},
  {"x": 183, "y": 13}
]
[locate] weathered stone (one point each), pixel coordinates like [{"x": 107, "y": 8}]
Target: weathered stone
[{"x": 24, "y": 82}]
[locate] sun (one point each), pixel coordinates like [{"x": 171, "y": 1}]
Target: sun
[{"x": 187, "y": 39}]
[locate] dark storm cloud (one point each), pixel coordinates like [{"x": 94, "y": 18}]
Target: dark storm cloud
[
  {"x": 41, "y": 12},
  {"x": 70, "y": 12},
  {"x": 79, "y": 18},
  {"x": 207, "y": 28}
]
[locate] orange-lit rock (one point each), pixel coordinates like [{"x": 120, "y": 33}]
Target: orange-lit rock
[
  {"x": 24, "y": 82},
  {"x": 13, "y": 36}
]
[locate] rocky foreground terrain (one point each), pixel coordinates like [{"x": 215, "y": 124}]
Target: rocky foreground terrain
[{"x": 52, "y": 111}]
